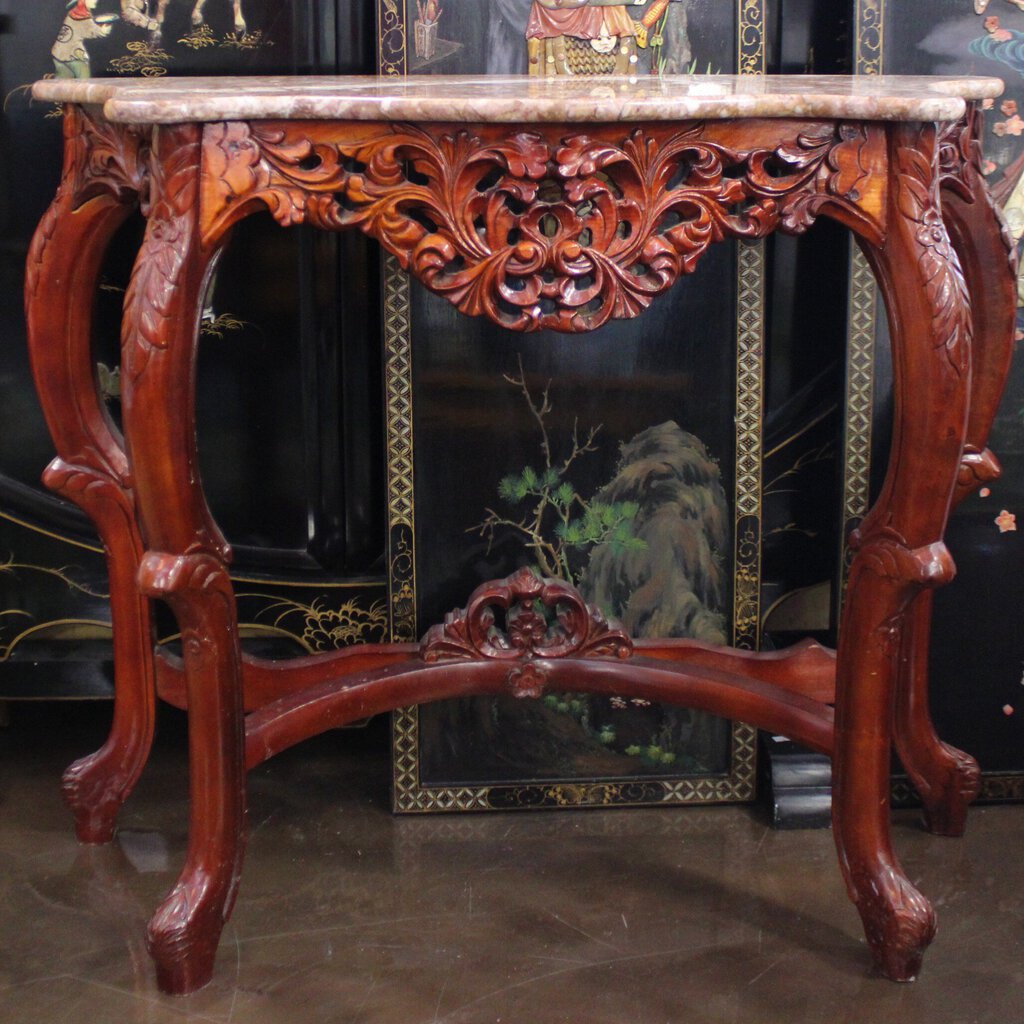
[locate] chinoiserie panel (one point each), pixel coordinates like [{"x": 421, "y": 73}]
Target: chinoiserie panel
[{"x": 627, "y": 461}]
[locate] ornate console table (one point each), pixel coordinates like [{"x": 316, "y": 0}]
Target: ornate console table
[{"x": 539, "y": 204}]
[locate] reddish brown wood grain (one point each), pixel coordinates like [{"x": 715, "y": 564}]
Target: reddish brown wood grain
[
  {"x": 104, "y": 172},
  {"x": 533, "y": 227},
  {"x": 948, "y": 779}
]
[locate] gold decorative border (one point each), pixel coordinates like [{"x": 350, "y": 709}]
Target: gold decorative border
[
  {"x": 751, "y": 48},
  {"x": 862, "y": 322},
  {"x": 401, "y": 532},
  {"x": 996, "y": 788},
  {"x": 870, "y": 37},
  {"x": 738, "y": 784},
  {"x": 392, "y": 42}
]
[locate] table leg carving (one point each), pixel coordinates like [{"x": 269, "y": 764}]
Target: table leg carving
[
  {"x": 900, "y": 549},
  {"x": 186, "y": 561},
  {"x": 103, "y": 176},
  {"x": 185, "y": 930},
  {"x": 948, "y": 779}
]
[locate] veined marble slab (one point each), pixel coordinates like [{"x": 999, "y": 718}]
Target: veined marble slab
[{"x": 523, "y": 99}]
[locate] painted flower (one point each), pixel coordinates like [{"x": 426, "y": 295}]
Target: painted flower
[
  {"x": 999, "y": 128},
  {"x": 984, "y": 492},
  {"x": 1007, "y": 710},
  {"x": 988, "y": 104},
  {"x": 1006, "y": 521},
  {"x": 989, "y": 166},
  {"x": 1014, "y": 125},
  {"x": 1008, "y": 107}
]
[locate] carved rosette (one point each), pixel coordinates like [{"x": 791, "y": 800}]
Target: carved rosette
[
  {"x": 530, "y": 228},
  {"x": 543, "y": 618}
]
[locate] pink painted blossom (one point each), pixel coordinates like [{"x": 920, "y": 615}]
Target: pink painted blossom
[{"x": 1006, "y": 521}]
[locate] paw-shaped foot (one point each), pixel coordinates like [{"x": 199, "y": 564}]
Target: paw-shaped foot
[
  {"x": 94, "y": 799},
  {"x": 945, "y": 806},
  {"x": 899, "y": 923},
  {"x": 182, "y": 938}
]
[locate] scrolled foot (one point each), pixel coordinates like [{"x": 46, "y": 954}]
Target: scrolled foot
[
  {"x": 945, "y": 805},
  {"x": 93, "y": 797},
  {"x": 899, "y": 923},
  {"x": 183, "y": 935}
]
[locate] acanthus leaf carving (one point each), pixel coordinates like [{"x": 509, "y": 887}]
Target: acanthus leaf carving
[
  {"x": 162, "y": 259},
  {"x": 543, "y": 618},
  {"x": 106, "y": 158},
  {"x": 534, "y": 228},
  {"x": 961, "y": 162},
  {"x": 917, "y": 198}
]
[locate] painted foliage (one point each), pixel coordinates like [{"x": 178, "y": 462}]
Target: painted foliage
[
  {"x": 150, "y": 35},
  {"x": 609, "y": 460}
]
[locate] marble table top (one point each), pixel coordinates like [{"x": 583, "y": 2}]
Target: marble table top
[{"x": 510, "y": 99}]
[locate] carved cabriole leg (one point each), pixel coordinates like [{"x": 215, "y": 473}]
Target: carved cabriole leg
[
  {"x": 948, "y": 779},
  {"x": 99, "y": 189},
  {"x": 186, "y": 562},
  {"x": 900, "y": 544}
]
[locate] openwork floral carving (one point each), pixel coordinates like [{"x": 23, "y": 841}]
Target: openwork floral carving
[
  {"x": 543, "y": 618},
  {"x": 530, "y": 228}
]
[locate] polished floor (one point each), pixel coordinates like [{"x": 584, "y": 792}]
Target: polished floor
[{"x": 349, "y": 916}]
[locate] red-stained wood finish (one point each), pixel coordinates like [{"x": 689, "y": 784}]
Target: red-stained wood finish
[
  {"x": 535, "y": 227},
  {"x": 105, "y": 169}
]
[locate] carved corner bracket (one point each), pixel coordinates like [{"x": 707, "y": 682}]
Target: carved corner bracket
[
  {"x": 546, "y": 228},
  {"x": 543, "y": 618},
  {"x": 105, "y": 158}
]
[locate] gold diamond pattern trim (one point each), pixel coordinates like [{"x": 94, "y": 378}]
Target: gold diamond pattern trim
[
  {"x": 862, "y": 319},
  {"x": 398, "y": 379},
  {"x": 862, "y": 329},
  {"x": 401, "y": 495},
  {"x": 410, "y": 797},
  {"x": 749, "y": 377}
]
